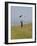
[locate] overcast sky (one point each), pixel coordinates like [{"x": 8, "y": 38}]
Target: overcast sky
[{"x": 26, "y": 13}]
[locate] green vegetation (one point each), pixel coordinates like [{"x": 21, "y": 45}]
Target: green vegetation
[{"x": 21, "y": 33}]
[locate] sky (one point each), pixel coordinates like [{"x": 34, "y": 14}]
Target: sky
[{"x": 26, "y": 13}]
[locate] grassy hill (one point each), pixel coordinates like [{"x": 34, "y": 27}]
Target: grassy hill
[{"x": 21, "y": 33}]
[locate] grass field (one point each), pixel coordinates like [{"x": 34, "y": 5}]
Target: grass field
[{"x": 21, "y": 33}]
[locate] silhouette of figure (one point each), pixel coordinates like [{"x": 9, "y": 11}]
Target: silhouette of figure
[{"x": 21, "y": 21}]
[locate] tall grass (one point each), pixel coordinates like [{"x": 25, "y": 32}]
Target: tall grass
[{"x": 21, "y": 33}]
